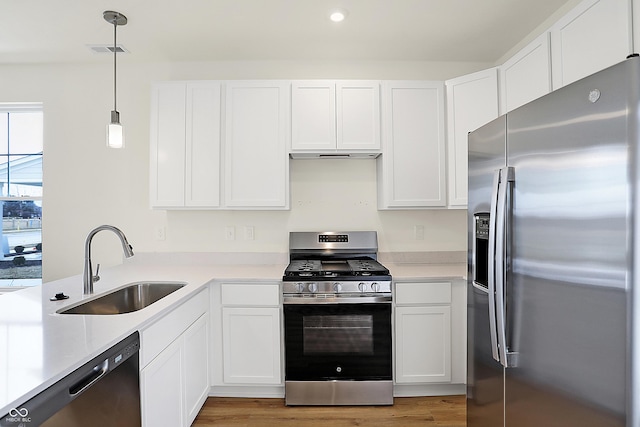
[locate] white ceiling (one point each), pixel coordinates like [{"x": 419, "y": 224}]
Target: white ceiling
[{"x": 48, "y": 31}]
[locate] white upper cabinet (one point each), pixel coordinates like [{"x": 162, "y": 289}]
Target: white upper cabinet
[
  {"x": 313, "y": 115},
  {"x": 358, "y": 115},
  {"x": 167, "y": 167},
  {"x": 527, "y": 75},
  {"x": 256, "y": 129},
  {"x": 335, "y": 116},
  {"x": 203, "y": 145},
  {"x": 185, "y": 145},
  {"x": 594, "y": 35},
  {"x": 411, "y": 170},
  {"x": 472, "y": 101}
]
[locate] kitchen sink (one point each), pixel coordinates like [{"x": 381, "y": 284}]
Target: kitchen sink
[{"x": 132, "y": 297}]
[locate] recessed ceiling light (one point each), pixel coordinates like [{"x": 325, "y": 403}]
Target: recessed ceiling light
[{"x": 338, "y": 15}]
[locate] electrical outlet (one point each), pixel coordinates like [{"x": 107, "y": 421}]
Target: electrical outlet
[
  {"x": 161, "y": 233},
  {"x": 418, "y": 232},
  {"x": 230, "y": 232},
  {"x": 249, "y": 232}
]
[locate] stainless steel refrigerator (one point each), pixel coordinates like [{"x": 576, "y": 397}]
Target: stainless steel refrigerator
[{"x": 554, "y": 259}]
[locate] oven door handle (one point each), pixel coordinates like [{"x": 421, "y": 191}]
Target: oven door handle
[{"x": 319, "y": 300}]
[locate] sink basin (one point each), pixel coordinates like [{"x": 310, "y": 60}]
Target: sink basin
[{"x": 132, "y": 297}]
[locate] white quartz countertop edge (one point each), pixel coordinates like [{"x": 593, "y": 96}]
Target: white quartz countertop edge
[{"x": 42, "y": 346}]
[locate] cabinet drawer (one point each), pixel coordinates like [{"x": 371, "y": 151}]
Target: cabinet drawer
[
  {"x": 414, "y": 293},
  {"x": 251, "y": 294},
  {"x": 158, "y": 336}
]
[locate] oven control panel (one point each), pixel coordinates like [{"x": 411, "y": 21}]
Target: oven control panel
[{"x": 333, "y": 238}]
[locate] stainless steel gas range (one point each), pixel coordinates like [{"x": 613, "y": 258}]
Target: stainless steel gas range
[{"x": 337, "y": 316}]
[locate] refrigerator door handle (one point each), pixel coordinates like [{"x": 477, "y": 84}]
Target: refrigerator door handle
[
  {"x": 491, "y": 267},
  {"x": 507, "y": 177}
]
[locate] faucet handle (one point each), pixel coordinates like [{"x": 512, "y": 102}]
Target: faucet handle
[{"x": 96, "y": 277}]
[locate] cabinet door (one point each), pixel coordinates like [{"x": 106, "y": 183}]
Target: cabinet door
[
  {"x": 203, "y": 145},
  {"x": 459, "y": 331},
  {"x": 472, "y": 101},
  {"x": 358, "y": 115},
  {"x": 196, "y": 367},
  {"x": 161, "y": 389},
  {"x": 313, "y": 115},
  {"x": 412, "y": 165},
  {"x": 593, "y": 36},
  {"x": 167, "y": 163},
  {"x": 256, "y": 161},
  {"x": 527, "y": 75},
  {"x": 185, "y": 145},
  {"x": 423, "y": 344},
  {"x": 251, "y": 345}
]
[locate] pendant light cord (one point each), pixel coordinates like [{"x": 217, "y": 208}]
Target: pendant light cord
[{"x": 115, "y": 54}]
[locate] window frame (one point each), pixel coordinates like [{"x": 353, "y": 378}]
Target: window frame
[{"x": 20, "y": 107}]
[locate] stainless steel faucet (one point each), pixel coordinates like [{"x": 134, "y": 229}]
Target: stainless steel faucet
[{"x": 88, "y": 277}]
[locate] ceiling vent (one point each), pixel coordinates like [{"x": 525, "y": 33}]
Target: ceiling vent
[{"x": 104, "y": 48}]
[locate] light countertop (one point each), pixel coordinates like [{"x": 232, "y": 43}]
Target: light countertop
[{"x": 39, "y": 346}]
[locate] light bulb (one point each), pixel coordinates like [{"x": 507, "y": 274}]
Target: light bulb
[{"x": 115, "y": 135}]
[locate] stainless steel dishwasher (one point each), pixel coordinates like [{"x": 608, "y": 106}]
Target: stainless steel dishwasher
[{"x": 103, "y": 392}]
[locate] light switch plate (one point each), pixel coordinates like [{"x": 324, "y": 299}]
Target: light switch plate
[
  {"x": 230, "y": 232},
  {"x": 161, "y": 233}
]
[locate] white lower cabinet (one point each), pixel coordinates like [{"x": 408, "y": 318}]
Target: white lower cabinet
[
  {"x": 247, "y": 339},
  {"x": 174, "y": 376},
  {"x": 251, "y": 343},
  {"x": 196, "y": 367},
  {"x": 430, "y": 337},
  {"x": 423, "y": 332},
  {"x": 162, "y": 385},
  {"x": 423, "y": 344}
]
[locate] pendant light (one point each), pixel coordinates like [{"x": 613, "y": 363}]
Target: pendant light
[{"x": 115, "y": 132}]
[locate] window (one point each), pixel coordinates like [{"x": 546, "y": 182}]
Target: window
[{"x": 21, "y": 142}]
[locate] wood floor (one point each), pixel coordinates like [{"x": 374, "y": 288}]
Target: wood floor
[{"x": 441, "y": 411}]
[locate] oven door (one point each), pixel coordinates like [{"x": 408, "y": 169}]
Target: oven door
[{"x": 338, "y": 341}]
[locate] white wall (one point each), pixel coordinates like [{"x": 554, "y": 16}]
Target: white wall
[{"x": 87, "y": 184}]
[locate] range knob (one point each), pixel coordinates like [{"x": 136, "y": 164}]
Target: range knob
[
  {"x": 313, "y": 288},
  {"x": 337, "y": 287},
  {"x": 362, "y": 286},
  {"x": 299, "y": 287},
  {"x": 375, "y": 286}
]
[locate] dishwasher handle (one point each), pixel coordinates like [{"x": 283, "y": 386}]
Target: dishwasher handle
[{"x": 87, "y": 381}]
